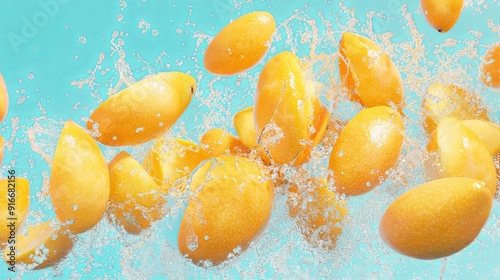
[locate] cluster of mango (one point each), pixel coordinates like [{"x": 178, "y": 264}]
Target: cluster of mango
[{"x": 228, "y": 180}]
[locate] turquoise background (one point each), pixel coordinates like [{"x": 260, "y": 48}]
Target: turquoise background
[{"x": 43, "y": 73}]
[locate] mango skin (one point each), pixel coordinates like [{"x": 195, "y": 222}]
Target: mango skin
[
  {"x": 245, "y": 127},
  {"x": 318, "y": 212},
  {"x": 241, "y": 44},
  {"x": 437, "y": 219},
  {"x": 22, "y": 198},
  {"x": 143, "y": 111},
  {"x": 135, "y": 199},
  {"x": 218, "y": 142},
  {"x": 442, "y": 14},
  {"x": 368, "y": 73},
  {"x": 487, "y": 132},
  {"x": 57, "y": 240},
  {"x": 4, "y": 99},
  {"x": 367, "y": 147},
  {"x": 170, "y": 161},
  {"x": 289, "y": 117},
  {"x": 490, "y": 67},
  {"x": 231, "y": 202},
  {"x": 79, "y": 180},
  {"x": 460, "y": 153},
  {"x": 445, "y": 100}
]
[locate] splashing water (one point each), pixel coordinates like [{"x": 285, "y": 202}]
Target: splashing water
[{"x": 281, "y": 251}]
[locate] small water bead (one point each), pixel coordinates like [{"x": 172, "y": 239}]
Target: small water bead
[
  {"x": 82, "y": 40},
  {"x": 119, "y": 17},
  {"x": 31, "y": 76},
  {"x": 154, "y": 32}
]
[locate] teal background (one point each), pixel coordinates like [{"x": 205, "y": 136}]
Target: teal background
[{"x": 44, "y": 77}]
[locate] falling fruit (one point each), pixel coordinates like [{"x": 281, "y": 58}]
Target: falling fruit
[
  {"x": 488, "y": 132},
  {"x": 368, "y": 73},
  {"x": 442, "y": 14},
  {"x": 318, "y": 212},
  {"x": 4, "y": 99},
  {"x": 443, "y": 101},
  {"x": 14, "y": 205},
  {"x": 135, "y": 199},
  {"x": 230, "y": 205},
  {"x": 245, "y": 127},
  {"x": 490, "y": 67},
  {"x": 79, "y": 180},
  {"x": 437, "y": 219},
  {"x": 44, "y": 245},
  {"x": 218, "y": 142},
  {"x": 460, "y": 153},
  {"x": 171, "y": 160},
  {"x": 289, "y": 117},
  {"x": 367, "y": 147},
  {"x": 143, "y": 111},
  {"x": 241, "y": 44}
]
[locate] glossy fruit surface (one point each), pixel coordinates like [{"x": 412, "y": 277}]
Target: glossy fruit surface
[
  {"x": 245, "y": 127},
  {"x": 442, "y": 100},
  {"x": 318, "y": 212},
  {"x": 488, "y": 132},
  {"x": 231, "y": 202},
  {"x": 169, "y": 162},
  {"x": 442, "y": 14},
  {"x": 289, "y": 117},
  {"x": 79, "y": 180},
  {"x": 437, "y": 219},
  {"x": 143, "y": 111},
  {"x": 4, "y": 99},
  {"x": 44, "y": 245},
  {"x": 490, "y": 68},
  {"x": 368, "y": 72},
  {"x": 368, "y": 146},
  {"x": 218, "y": 142},
  {"x": 135, "y": 198},
  {"x": 460, "y": 153},
  {"x": 241, "y": 44},
  {"x": 13, "y": 191}
]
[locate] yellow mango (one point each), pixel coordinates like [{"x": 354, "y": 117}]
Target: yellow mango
[
  {"x": 490, "y": 67},
  {"x": 44, "y": 245},
  {"x": 318, "y": 212},
  {"x": 245, "y": 127},
  {"x": 488, "y": 132},
  {"x": 442, "y": 14},
  {"x": 437, "y": 219},
  {"x": 289, "y": 117},
  {"x": 15, "y": 200},
  {"x": 443, "y": 101},
  {"x": 143, "y": 111},
  {"x": 79, "y": 180},
  {"x": 4, "y": 99},
  {"x": 368, "y": 73},
  {"x": 460, "y": 153},
  {"x": 218, "y": 142},
  {"x": 241, "y": 44},
  {"x": 231, "y": 202},
  {"x": 367, "y": 147},
  {"x": 135, "y": 199},
  {"x": 168, "y": 161}
]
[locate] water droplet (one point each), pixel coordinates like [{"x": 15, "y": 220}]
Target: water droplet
[
  {"x": 192, "y": 242},
  {"x": 82, "y": 40},
  {"x": 154, "y": 32}
]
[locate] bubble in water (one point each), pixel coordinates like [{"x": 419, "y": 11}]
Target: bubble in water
[
  {"x": 119, "y": 17},
  {"x": 82, "y": 40},
  {"x": 154, "y": 32},
  {"x": 30, "y": 76},
  {"x": 192, "y": 242}
]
